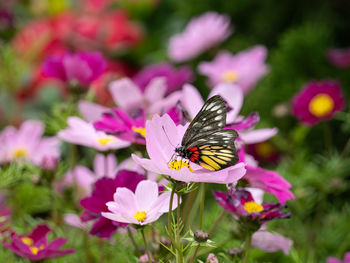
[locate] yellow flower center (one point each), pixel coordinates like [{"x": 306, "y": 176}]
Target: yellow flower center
[
  {"x": 229, "y": 76},
  {"x": 253, "y": 207},
  {"x": 140, "y": 130},
  {"x": 140, "y": 216},
  {"x": 178, "y": 164},
  {"x": 28, "y": 241},
  {"x": 321, "y": 105},
  {"x": 20, "y": 152},
  {"x": 106, "y": 140},
  {"x": 264, "y": 149}
]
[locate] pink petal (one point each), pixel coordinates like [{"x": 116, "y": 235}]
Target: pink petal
[
  {"x": 91, "y": 111},
  {"x": 125, "y": 94},
  {"x": 156, "y": 89},
  {"x": 255, "y": 136},
  {"x": 146, "y": 195},
  {"x": 192, "y": 100},
  {"x": 271, "y": 242}
]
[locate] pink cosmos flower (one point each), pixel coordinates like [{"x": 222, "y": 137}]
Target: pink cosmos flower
[
  {"x": 339, "y": 57},
  {"x": 244, "y": 68},
  {"x": 175, "y": 77},
  {"x": 35, "y": 246},
  {"x": 335, "y": 260},
  {"x": 75, "y": 221},
  {"x": 318, "y": 101},
  {"x": 26, "y": 143},
  {"x": 129, "y": 97},
  {"x": 162, "y": 136},
  {"x": 120, "y": 124},
  {"x": 241, "y": 203},
  {"x": 269, "y": 181},
  {"x": 75, "y": 69},
  {"x": 142, "y": 207},
  {"x": 83, "y": 133},
  {"x": 200, "y": 34},
  {"x": 232, "y": 94},
  {"x": 265, "y": 152},
  {"x": 103, "y": 192},
  {"x": 271, "y": 242}
]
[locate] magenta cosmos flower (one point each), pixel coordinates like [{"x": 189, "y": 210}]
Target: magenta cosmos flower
[
  {"x": 162, "y": 136},
  {"x": 117, "y": 122},
  {"x": 103, "y": 192},
  {"x": 336, "y": 260},
  {"x": 83, "y": 133},
  {"x": 192, "y": 102},
  {"x": 26, "y": 144},
  {"x": 318, "y": 101},
  {"x": 35, "y": 246},
  {"x": 142, "y": 207},
  {"x": 266, "y": 180},
  {"x": 339, "y": 57},
  {"x": 200, "y": 34},
  {"x": 244, "y": 68},
  {"x": 240, "y": 203},
  {"x": 175, "y": 77},
  {"x": 75, "y": 69}
]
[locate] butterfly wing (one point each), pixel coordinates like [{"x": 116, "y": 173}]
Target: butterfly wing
[
  {"x": 215, "y": 151},
  {"x": 211, "y": 118}
]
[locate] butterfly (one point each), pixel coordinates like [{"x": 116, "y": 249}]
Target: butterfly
[{"x": 206, "y": 142}]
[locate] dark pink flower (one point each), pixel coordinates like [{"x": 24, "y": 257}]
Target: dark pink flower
[
  {"x": 339, "y": 57},
  {"x": 175, "y": 77},
  {"x": 35, "y": 245},
  {"x": 103, "y": 192},
  {"x": 266, "y": 180},
  {"x": 240, "y": 203},
  {"x": 335, "y": 260},
  {"x": 120, "y": 124},
  {"x": 264, "y": 152},
  {"x": 80, "y": 68},
  {"x": 318, "y": 101}
]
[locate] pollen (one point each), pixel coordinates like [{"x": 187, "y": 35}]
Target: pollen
[
  {"x": 140, "y": 130},
  {"x": 140, "y": 216},
  {"x": 229, "y": 76},
  {"x": 178, "y": 164},
  {"x": 321, "y": 105},
  {"x": 28, "y": 241},
  {"x": 34, "y": 250},
  {"x": 253, "y": 207},
  {"x": 20, "y": 152},
  {"x": 106, "y": 140}
]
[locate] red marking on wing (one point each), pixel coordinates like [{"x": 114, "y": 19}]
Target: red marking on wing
[
  {"x": 193, "y": 149},
  {"x": 194, "y": 157}
]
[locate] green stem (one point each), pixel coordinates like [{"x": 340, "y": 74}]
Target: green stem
[
  {"x": 216, "y": 223},
  {"x": 146, "y": 245},
  {"x": 133, "y": 240},
  {"x": 201, "y": 209},
  {"x": 195, "y": 254},
  {"x": 170, "y": 229},
  {"x": 247, "y": 248},
  {"x": 178, "y": 230}
]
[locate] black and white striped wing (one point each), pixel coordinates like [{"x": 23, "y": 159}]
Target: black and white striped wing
[
  {"x": 211, "y": 118},
  {"x": 217, "y": 150}
]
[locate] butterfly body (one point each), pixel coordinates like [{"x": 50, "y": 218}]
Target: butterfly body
[{"x": 206, "y": 142}]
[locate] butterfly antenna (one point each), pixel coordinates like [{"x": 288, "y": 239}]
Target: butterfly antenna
[{"x": 168, "y": 137}]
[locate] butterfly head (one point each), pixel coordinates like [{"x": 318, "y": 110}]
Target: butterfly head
[{"x": 181, "y": 151}]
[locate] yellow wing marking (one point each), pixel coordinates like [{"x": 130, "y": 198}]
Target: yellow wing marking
[{"x": 210, "y": 162}]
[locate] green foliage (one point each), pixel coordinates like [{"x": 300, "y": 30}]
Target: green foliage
[{"x": 16, "y": 172}]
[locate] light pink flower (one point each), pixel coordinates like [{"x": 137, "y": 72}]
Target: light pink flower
[
  {"x": 335, "y": 260},
  {"x": 212, "y": 259},
  {"x": 83, "y": 133},
  {"x": 200, "y": 34},
  {"x": 142, "y": 207},
  {"x": 128, "y": 96},
  {"x": 232, "y": 94},
  {"x": 75, "y": 221},
  {"x": 27, "y": 144},
  {"x": 244, "y": 68},
  {"x": 271, "y": 242},
  {"x": 162, "y": 136}
]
